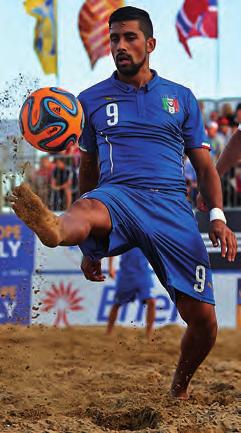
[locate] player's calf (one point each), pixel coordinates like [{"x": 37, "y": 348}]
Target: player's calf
[{"x": 198, "y": 340}]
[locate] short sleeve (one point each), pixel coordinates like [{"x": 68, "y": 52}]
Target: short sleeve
[
  {"x": 194, "y": 134},
  {"x": 87, "y": 140}
]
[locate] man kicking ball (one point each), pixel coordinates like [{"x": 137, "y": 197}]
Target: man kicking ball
[{"x": 137, "y": 127}]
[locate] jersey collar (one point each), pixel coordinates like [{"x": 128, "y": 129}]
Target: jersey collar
[{"x": 129, "y": 88}]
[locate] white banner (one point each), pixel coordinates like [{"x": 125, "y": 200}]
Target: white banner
[{"x": 62, "y": 296}]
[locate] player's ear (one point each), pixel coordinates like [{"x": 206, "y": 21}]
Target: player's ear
[{"x": 151, "y": 44}]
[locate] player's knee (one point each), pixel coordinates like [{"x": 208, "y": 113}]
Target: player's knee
[
  {"x": 51, "y": 243},
  {"x": 206, "y": 326},
  {"x": 210, "y": 330}
]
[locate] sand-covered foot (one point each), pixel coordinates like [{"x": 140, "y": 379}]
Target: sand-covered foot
[
  {"x": 177, "y": 392},
  {"x": 30, "y": 208}
]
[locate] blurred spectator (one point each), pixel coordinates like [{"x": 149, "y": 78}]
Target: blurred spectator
[
  {"x": 72, "y": 154},
  {"x": 223, "y": 134},
  {"x": 226, "y": 110},
  {"x": 202, "y": 109},
  {"x": 212, "y": 130},
  {"x": 238, "y": 113},
  {"x": 61, "y": 182},
  {"x": 191, "y": 181},
  {"x": 213, "y": 116},
  {"x": 73, "y": 151},
  {"x": 39, "y": 178}
]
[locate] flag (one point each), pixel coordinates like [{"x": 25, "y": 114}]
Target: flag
[
  {"x": 45, "y": 32},
  {"x": 93, "y": 26},
  {"x": 197, "y": 18}
]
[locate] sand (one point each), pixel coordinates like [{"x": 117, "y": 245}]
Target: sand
[{"x": 77, "y": 380}]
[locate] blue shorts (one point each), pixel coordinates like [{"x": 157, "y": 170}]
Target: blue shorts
[{"x": 163, "y": 226}]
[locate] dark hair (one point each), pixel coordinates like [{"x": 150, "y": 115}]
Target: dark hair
[
  {"x": 238, "y": 106},
  {"x": 129, "y": 13},
  {"x": 232, "y": 121}
]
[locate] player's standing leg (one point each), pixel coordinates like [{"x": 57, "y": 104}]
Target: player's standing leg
[
  {"x": 198, "y": 340},
  {"x": 150, "y": 316},
  {"x": 112, "y": 318}
]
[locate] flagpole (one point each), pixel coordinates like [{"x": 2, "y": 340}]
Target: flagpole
[
  {"x": 218, "y": 56},
  {"x": 57, "y": 41}
]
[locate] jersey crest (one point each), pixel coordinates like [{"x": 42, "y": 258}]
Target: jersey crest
[{"x": 170, "y": 104}]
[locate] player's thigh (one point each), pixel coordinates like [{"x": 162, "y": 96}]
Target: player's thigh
[
  {"x": 90, "y": 213},
  {"x": 195, "y": 312}
]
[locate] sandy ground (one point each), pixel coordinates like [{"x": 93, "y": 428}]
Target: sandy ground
[{"x": 77, "y": 380}]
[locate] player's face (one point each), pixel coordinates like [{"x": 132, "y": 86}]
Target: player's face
[{"x": 129, "y": 47}]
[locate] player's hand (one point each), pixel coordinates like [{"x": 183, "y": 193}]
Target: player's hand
[
  {"x": 219, "y": 232},
  {"x": 92, "y": 269},
  {"x": 201, "y": 205}
]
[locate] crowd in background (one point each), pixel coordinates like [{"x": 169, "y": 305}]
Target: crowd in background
[
  {"x": 220, "y": 125},
  {"x": 56, "y": 178}
]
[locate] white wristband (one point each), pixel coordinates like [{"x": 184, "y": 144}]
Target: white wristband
[{"x": 217, "y": 214}]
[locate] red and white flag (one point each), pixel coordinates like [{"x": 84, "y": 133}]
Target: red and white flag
[
  {"x": 197, "y": 18},
  {"x": 93, "y": 26}
]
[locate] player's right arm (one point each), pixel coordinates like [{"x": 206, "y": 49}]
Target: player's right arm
[
  {"x": 88, "y": 180},
  {"x": 231, "y": 154},
  {"x": 92, "y": 269},
  {"x": 88, "y": 171},
  {"x": 89, "y": 165}
]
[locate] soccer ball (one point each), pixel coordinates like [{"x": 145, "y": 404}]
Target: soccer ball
[{"x": 50, "y": 119}]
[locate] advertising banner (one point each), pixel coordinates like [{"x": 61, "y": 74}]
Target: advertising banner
[
  {"x": 69, "y": 299},
  {"x": 44, "y": 285},
  {"x": 15, "y": 300},
  {"x": 16, "y": 247},
  {"x": 62, "y": 295},
  {"x": 17, "y": 253}
]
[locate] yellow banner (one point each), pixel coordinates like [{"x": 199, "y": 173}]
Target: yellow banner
[{"x": 45, "y": 33}]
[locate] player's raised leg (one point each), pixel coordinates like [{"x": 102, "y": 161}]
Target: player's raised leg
[
  {"x": 71, "y": 228},
  {"x": 198, "y": 340}
]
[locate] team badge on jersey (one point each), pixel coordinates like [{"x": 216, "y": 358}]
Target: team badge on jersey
[{"x": 170, "y": 104}]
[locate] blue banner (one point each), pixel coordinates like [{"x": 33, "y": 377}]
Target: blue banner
[
  {"x": 15, "y": 300},
  {"x": 16, "y": 247}
]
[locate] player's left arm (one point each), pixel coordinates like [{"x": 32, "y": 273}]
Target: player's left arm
[
  {"x": 231, "y": 154},
  {"x": 210, "y": 187}
]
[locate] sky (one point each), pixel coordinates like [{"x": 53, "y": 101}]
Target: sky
[{"x": 213, "y": 72}]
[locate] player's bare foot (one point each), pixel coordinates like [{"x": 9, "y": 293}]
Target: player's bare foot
[
  {"x": 30, "y": 208},
  {"x": 178, "y": 392}
]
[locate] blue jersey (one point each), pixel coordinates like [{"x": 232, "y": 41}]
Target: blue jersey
[{"x": 141, "y": 134}]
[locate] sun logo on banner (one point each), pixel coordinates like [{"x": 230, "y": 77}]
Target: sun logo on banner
[{"x": 63, "y": 300}]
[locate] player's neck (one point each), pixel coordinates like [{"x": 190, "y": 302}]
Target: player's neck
[{"x": 139, "y": 80}]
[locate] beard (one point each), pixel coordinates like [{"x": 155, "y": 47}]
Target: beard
[{"x": 131, "y": 69}]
